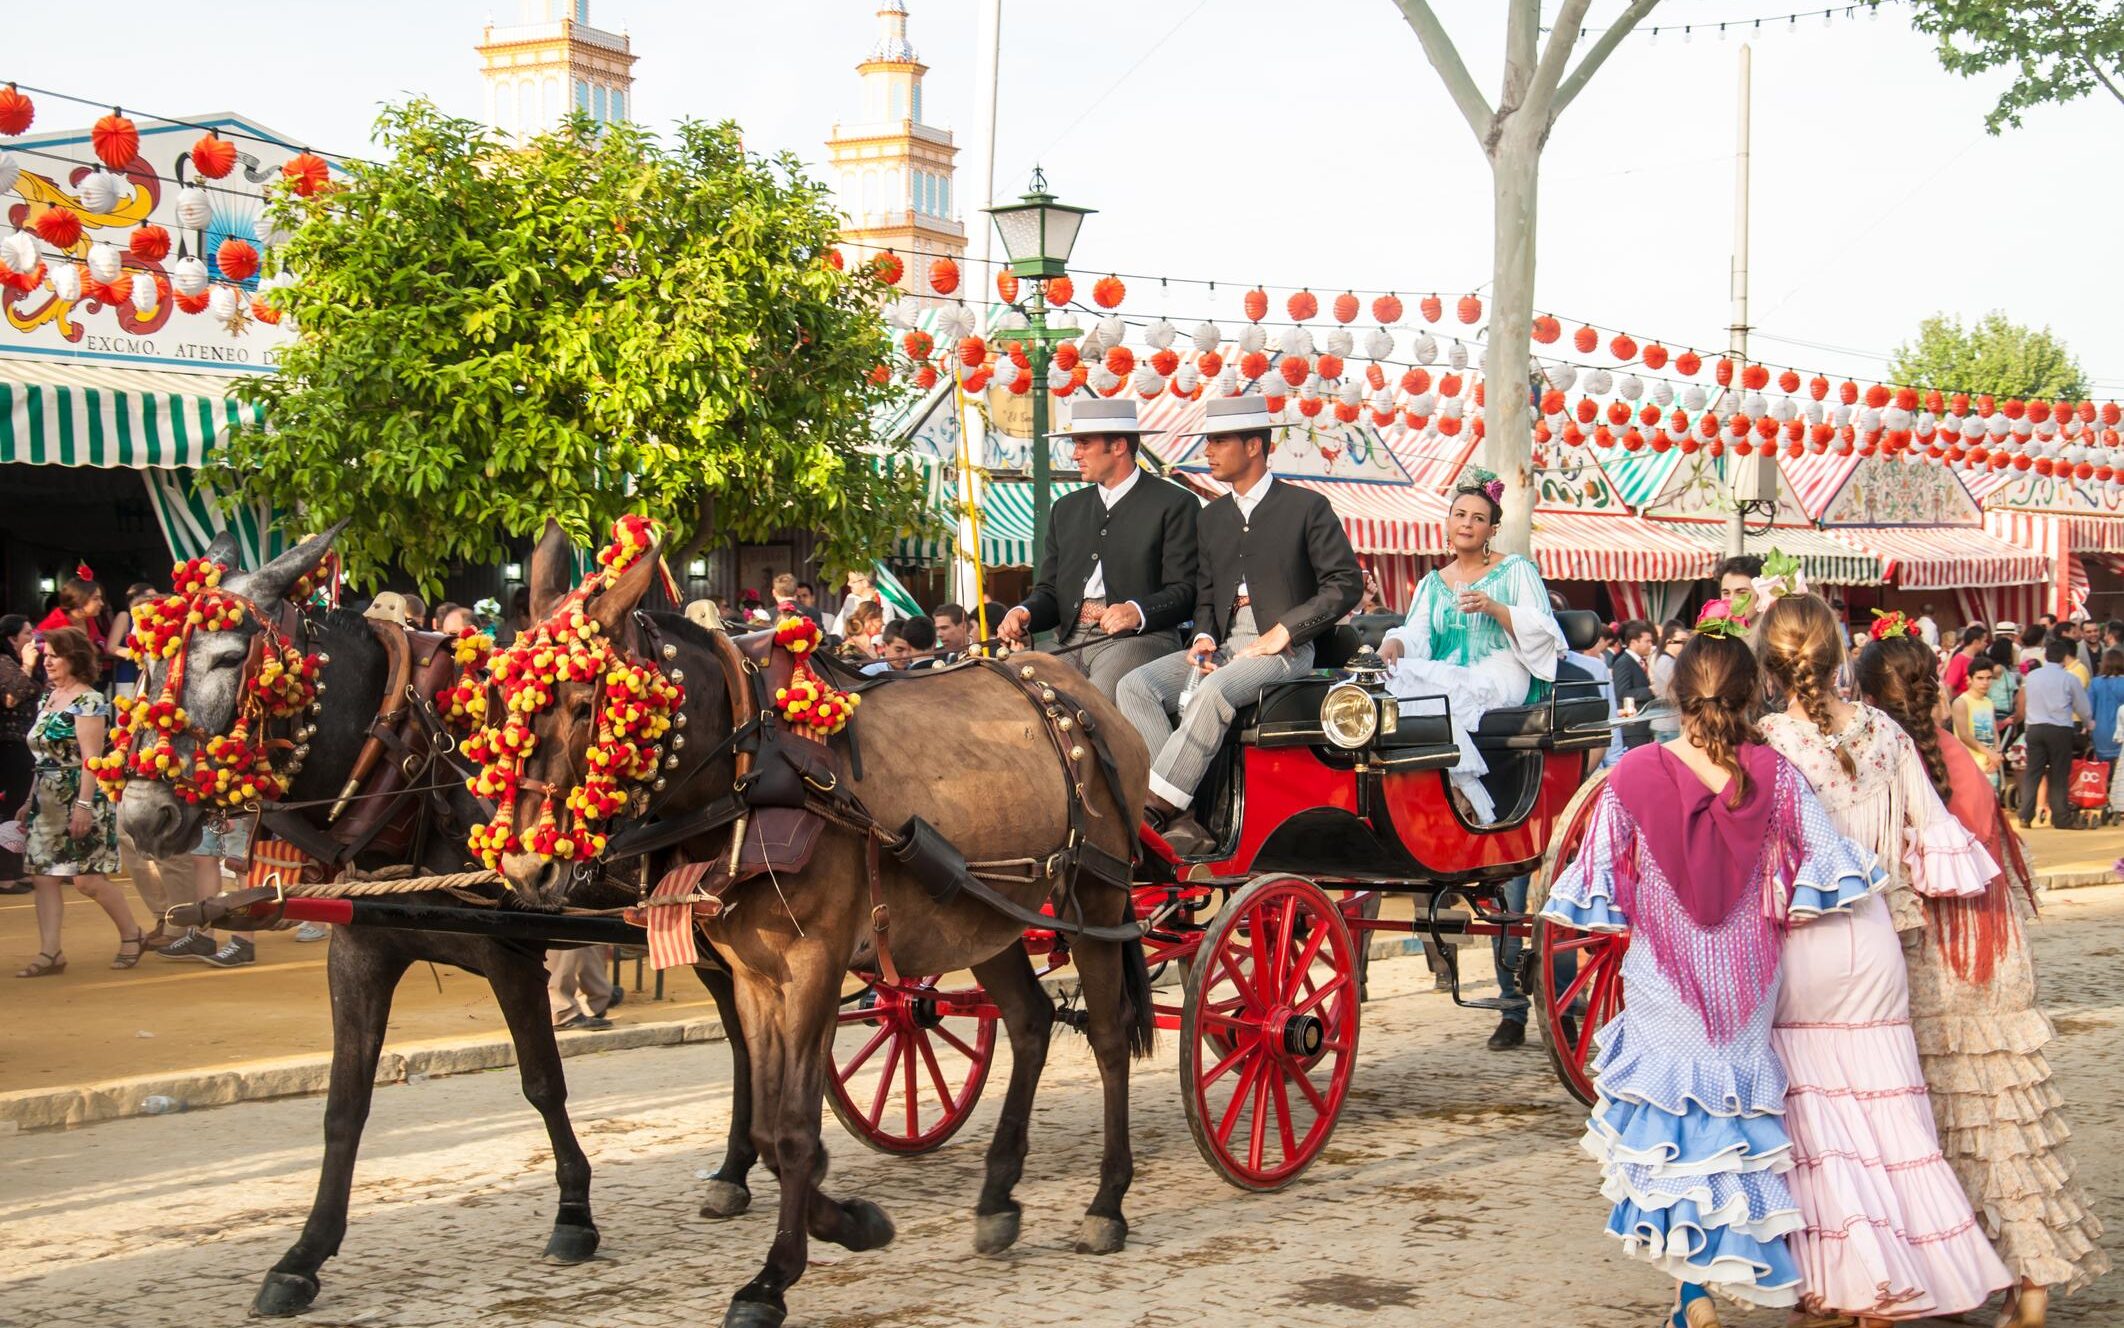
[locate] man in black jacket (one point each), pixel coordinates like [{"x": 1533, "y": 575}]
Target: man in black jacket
[
  {"x": 1118, "y": 567},
  {"x": 1276, "y": 571},
  {"x": 1632, "y": 675}
]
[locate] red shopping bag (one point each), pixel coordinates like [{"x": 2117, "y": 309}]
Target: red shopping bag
[{"x": 2090, "y": 784}]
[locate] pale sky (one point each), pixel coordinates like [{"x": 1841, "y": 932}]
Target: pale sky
[{"x": 1250, "y": 141}]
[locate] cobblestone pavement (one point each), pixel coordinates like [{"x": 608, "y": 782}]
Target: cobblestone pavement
[{"x": 1452, "y": 1193}]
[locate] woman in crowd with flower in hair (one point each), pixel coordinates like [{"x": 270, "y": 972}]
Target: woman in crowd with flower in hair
[
  {"x": 1706, "y": 849},
  {"x": 1980, "y": 1033},
  {"x": 1480, "y": 632},
  {"x": 1888, "y": 1232},
  {"x": 81, "y": 606}
]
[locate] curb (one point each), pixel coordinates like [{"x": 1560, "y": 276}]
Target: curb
[
  {"x": 416, "y": 1062},
  {"x": 2076, "y": 880}
]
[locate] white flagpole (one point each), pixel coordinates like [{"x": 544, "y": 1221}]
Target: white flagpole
[{"x": 966, "y": 568}]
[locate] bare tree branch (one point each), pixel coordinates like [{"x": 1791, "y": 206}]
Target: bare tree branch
[
  {"x": 1597, "y": 54},
  {"x": 2102, "y": 76},
  {"x": 1445, "y": 58},
  {"x": 1563, "y": 35}
]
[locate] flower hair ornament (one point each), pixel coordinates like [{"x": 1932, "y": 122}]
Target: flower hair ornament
[
  {"x": 1477, "y": 480},
  {"x": 1781, "y": 577},
  {"x": 1722, "y": 618},
  {"x": 1889, "y": 625}
]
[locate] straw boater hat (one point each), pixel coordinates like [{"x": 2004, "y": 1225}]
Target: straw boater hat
[
  {"x": 1094, "y": 417},
  {"x": 1244, "y": 414}
]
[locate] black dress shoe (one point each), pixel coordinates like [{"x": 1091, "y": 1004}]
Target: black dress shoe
[
  {"x": 15, "y": 888},
  {"x": 1510, "y": 1033}
]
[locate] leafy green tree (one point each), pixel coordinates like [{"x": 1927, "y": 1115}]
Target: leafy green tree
[
  {"x": 1996, "y": 356},
  {"x": 593, "y": 324},
  {"x": 2058, "y": 50}
]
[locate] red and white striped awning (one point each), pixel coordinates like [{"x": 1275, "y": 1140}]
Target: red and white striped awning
[
  {"x": 1817, "y": 479},
  {"x": 1582, "y": 546},
  {"x": 1824, "y": 559},
  {"x": 1949, "y": 557},
  {"x": 1378, "y": 518}
]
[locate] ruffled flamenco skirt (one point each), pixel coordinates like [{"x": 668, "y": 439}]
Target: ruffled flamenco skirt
[
  {"x": 1998, "y": 1115},
  {"x": 1471, "y": 691},
  {"x": 1690, "y": 1139},
  {"x": 1888, "y": 1230}
]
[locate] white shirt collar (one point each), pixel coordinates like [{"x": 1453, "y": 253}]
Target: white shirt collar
[
  {"x": 1110, "y": 496},
  {"x": 1247, "y": 502}
]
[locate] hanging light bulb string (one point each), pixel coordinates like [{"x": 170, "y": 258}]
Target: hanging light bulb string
[
  {"x": 1791, "y": 21},
  {"x": 139, "y": 169}
]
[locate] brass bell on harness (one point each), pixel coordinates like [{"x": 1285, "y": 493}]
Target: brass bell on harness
[
  {"x": 1026, "y": 673},
  {"x": 678, "y": 741},
  {"x": 670, "y": 651},
  {"x": 1076, "y": 753},
  {"x": 302, "y": 750},
  {"x": 678, "y": 721},
  {"x": 1065, "y": 723},
  {"x": 671, "y": 763},
  {"x": 678, "y": 675},
  {"x": 1047, "y": 694},
  {"x": 659, "y": 784},
  {"x": 323, "y": 659},
  {"x": 320, "y": 689}
]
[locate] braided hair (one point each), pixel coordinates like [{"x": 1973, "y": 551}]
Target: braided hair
[
  {"x": 1802, "y": 647},
  {"x": 1896, "y": 676},
  {"x": 1716, "y": 681}
]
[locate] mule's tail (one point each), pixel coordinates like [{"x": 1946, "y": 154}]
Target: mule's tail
[{"x": 1136, "y": 986}]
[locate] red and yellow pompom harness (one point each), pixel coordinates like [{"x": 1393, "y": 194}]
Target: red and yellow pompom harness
[
  {"x": 809, "y": 704},
  {"x": 500, "y": 694},
  {"x": 233, "y": 769}
]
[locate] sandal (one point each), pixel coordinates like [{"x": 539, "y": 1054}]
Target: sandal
[
  {"x": 44, "y": 966},
  {"x": 157, "y": 938},
  {"x": 123, "y": 960}
]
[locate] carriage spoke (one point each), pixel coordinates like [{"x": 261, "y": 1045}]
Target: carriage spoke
[
  {"x": 1584, "y": 940},
  {"x": 1286, "y": 931},
  {"x": 1588, "y": 973},
  {"x": 1257, "y": 938},
  {"x": 1302, "y": 967},
  {"x": 1321, "y": 993},
  {"x": 1232, "y": 1109},
  {"x": 936, "y": 1072},
  {"x": 1257, "y": 1132},
  {"x": 1229, "y": 965},
  {"x": 1312, "y": 1094},
  {"x": 877, "y": 1102},
  {"x": 968, "y": 1052},
  {"x": 914, "y": 1096},
  {"x": 1219, "y": 1070},
  {"x": 877, "y": 1040},
  {"x": 1283, "y": 1118}
]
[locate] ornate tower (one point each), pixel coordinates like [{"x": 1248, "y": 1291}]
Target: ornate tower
[
  {"x": 552, "y": 61},
  {"x": 893, "y": 172}
]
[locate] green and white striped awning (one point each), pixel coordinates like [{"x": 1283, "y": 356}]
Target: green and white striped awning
[
  {"x": 65, "y": 414},
  {"x": 1006, "y": 526}
]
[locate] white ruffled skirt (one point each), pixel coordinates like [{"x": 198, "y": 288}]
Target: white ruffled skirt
[{"x": 1473, "y": 690}]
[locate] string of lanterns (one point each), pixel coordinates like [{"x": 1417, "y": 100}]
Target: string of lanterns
[{"x": 1751, "y": 26}]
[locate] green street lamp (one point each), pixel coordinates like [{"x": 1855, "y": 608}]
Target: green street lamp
[{"x": 1037, "y": 234}]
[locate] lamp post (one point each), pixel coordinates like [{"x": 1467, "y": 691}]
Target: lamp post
[{"x": 1037, "y": 234}]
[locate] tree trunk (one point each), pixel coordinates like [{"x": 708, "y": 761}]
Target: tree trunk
[{"x": 1508, "y": 427}]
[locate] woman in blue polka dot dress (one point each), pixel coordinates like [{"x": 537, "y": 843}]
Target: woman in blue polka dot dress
[{"x": 1706, "y": 849}]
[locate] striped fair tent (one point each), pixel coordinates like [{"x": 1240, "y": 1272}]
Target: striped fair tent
[
  {"x": 1948, "y": 558},
  {"x": 1825, "y": 559}
]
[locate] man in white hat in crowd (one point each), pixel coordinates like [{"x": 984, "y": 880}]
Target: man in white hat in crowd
[
  {"x": 1276, "y": 572},
  {"x": 1118, "y": 567}
]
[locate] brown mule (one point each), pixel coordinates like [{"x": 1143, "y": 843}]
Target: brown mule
[{"x": 969, "y": 752}]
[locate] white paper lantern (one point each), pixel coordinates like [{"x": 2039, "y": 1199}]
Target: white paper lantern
[
  {"x": 66, "y": 282},
  {"x": 1309, "y": 390},
  {"x": 1662, "y": 393},
  {"x": 194, "y": 211},
  {"x": 1297, "y": 341},
  {"x": 1351, "y": 392},
  {"x": 1895, "y": 417},
  {"x": 146, "y": 296},
  {"x": 1383, "y": 399},
  {"x": 188, "y": 276},
  {"x": 1186, "y": 380},
  {"x": 1207, "y": 336},
  {"x": 1057, "y": 377},
  {"x": 105, "y": 262},
  {"x": 1561, "y": 376},
  {"x": 1253, "y": 339},
  {"x": 1340, "y": 342},
  {"x": 1228, "y": 382},
  {"x": 10, "y": 170},
  {"x": 1457, "y": 355},
  {"x": 19, "y": 252},
  {"x": 1009, "y": 318},
  {"x": 1091, "y": 347},
  {"x": 1452, "y": 408},
  {"x": 1113, "y": 329},
  {"x": 1972, "y": 428},
  {"x": 1426, "y": 349},
  {"x": 98, "y": 192},
  {"x": 1148, "y": 381},
  {"x": 1998, "y": 426},
  {"x": 1101, "y": 379},
  {"x": 1598, "y": 382},
  {"x": 1784, "y": 410},
  {"x": 2023, "y": 427},
  {"x": 1424, "y": 403},
  {"x": 1378, "y": 344},
  {"x": 1630, "y": 387},
  {"x": 1161, "y": 334},
  {"x": 1006, "y": 372},
  {"x": 1692, "y": 397}
]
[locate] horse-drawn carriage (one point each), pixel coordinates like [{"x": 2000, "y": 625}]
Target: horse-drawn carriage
[{"x": 1329, "y": 796}]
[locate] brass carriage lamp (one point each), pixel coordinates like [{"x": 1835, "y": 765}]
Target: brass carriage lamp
[{"x": 1037, "y": 234}]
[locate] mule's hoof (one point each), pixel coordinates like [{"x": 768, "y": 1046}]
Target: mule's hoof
[
  {"x": 753, "y": 1314},
  {"x": 283, "y": 1294},
  {"x": 571, "y": 1244},
  {"x": 868, "y": 1227},
  {"x": 1101, "y": 1235},
  {"x": 995, "y": 1232},
  {"x": 724, "y": 1198}
]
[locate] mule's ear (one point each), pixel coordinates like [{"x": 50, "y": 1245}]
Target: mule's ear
[
  {"x": 611, "y": 606},
  {"x": 552, "y": 570},
  {"x": 271, "y": 583},
  {"x": 225, "y": 550}
]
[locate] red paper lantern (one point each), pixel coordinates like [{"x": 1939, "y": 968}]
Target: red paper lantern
[
  {"x": 1655, "y": 356},
  {"x": 1108, "y": 292},
  {"x": 1061, "y": 290},
  {"x": 60, "y": 227},
  {"x": 1689, "y": 446},
  {"x": 1585, "y": 339},
  {"x": 1687, "y": 363},
  {"x": 116, "y": 140},
  {"x": 1979, "y": 456},
  {"x": 1431, "y": 307},
  {"x": 1165, "y": 361},
  {"x": 1449, "y": 425},
  {"x": 1648, "y": 414},
  {"x": 1755, "y": 378},
  {"x": 1066, "y": 355},
  {"x": 1934, "y": 402},
  {"x": 1386, "y": 310},
  {"x": 1329, "y": 366},
  {"x": 1346, "y": 412},
  {"x": 1788, "y": 381},
  {"x": 1552, "y": 402},
  {"x": 213, "y": 156},
  {"x": 16, "y": 111},
  {"x": 1742, "y": 447},
  {"x": 888, "y": 268},
  {"x": 1346, "y": 307},
  {"x": 1310, "y": 407},
  {"x": 919, "y": 345},
  {"x": 1120, "y": 361},
  {"x": 2039, "y": 411},
  {"x": 2083, "y": 471},
  {"x": 1416, "y": 381},
  {"x": 1256, "y": 305},
  {"x": 832, "y": 258},
  {"x": 1618, "y": 412},
  {"x": 973, "y": 352},
  {"x": 1602, "y": 437},
  {"x": 880, "y": 375},
  {"x": 1848, "y": 393},
  {"x": 149, "y": 244},
  {"x": 926, "y": 377},
  {"x": 1209, "y": 364},
  {"x": 1302, "y": 305},
  {"x": 306, "y": 173},
  {"x": 2112, "y": 414},
  {"x": 1007, "y": 286},
  {"x": 1723, "y": 371},
  {"x": 1470, "y": 309},
  {"x": 2104, "y": 474},
  {"x": 1449, "y": 386},
  {"x": 1253, "y": 365},
  {"x": 1633, "y": 441},
  {"x": 1588, "y": 410},
  {"x": 1546, "y": 329},
  {"x": 237, "y": 260},
  {"x": 1906, "y": 398},
  {"x": 1876, "y": 396},
  {"x": 943, "y": 276},
  {"x": 1375, "y": 376},
  {"x": 1294, "y": 369},
  {"x": 1818, "y": 387},
  {"x": 1623, "y": 347}
]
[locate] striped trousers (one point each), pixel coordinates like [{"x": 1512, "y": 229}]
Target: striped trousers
[{"x": 1181, "y": 753}]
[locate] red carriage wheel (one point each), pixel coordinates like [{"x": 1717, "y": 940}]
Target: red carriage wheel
[
  {"x": 1578, "y": 974},
  {"x": 909, "y": 1063},
  {"x": 1268, "y": 1032}
]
